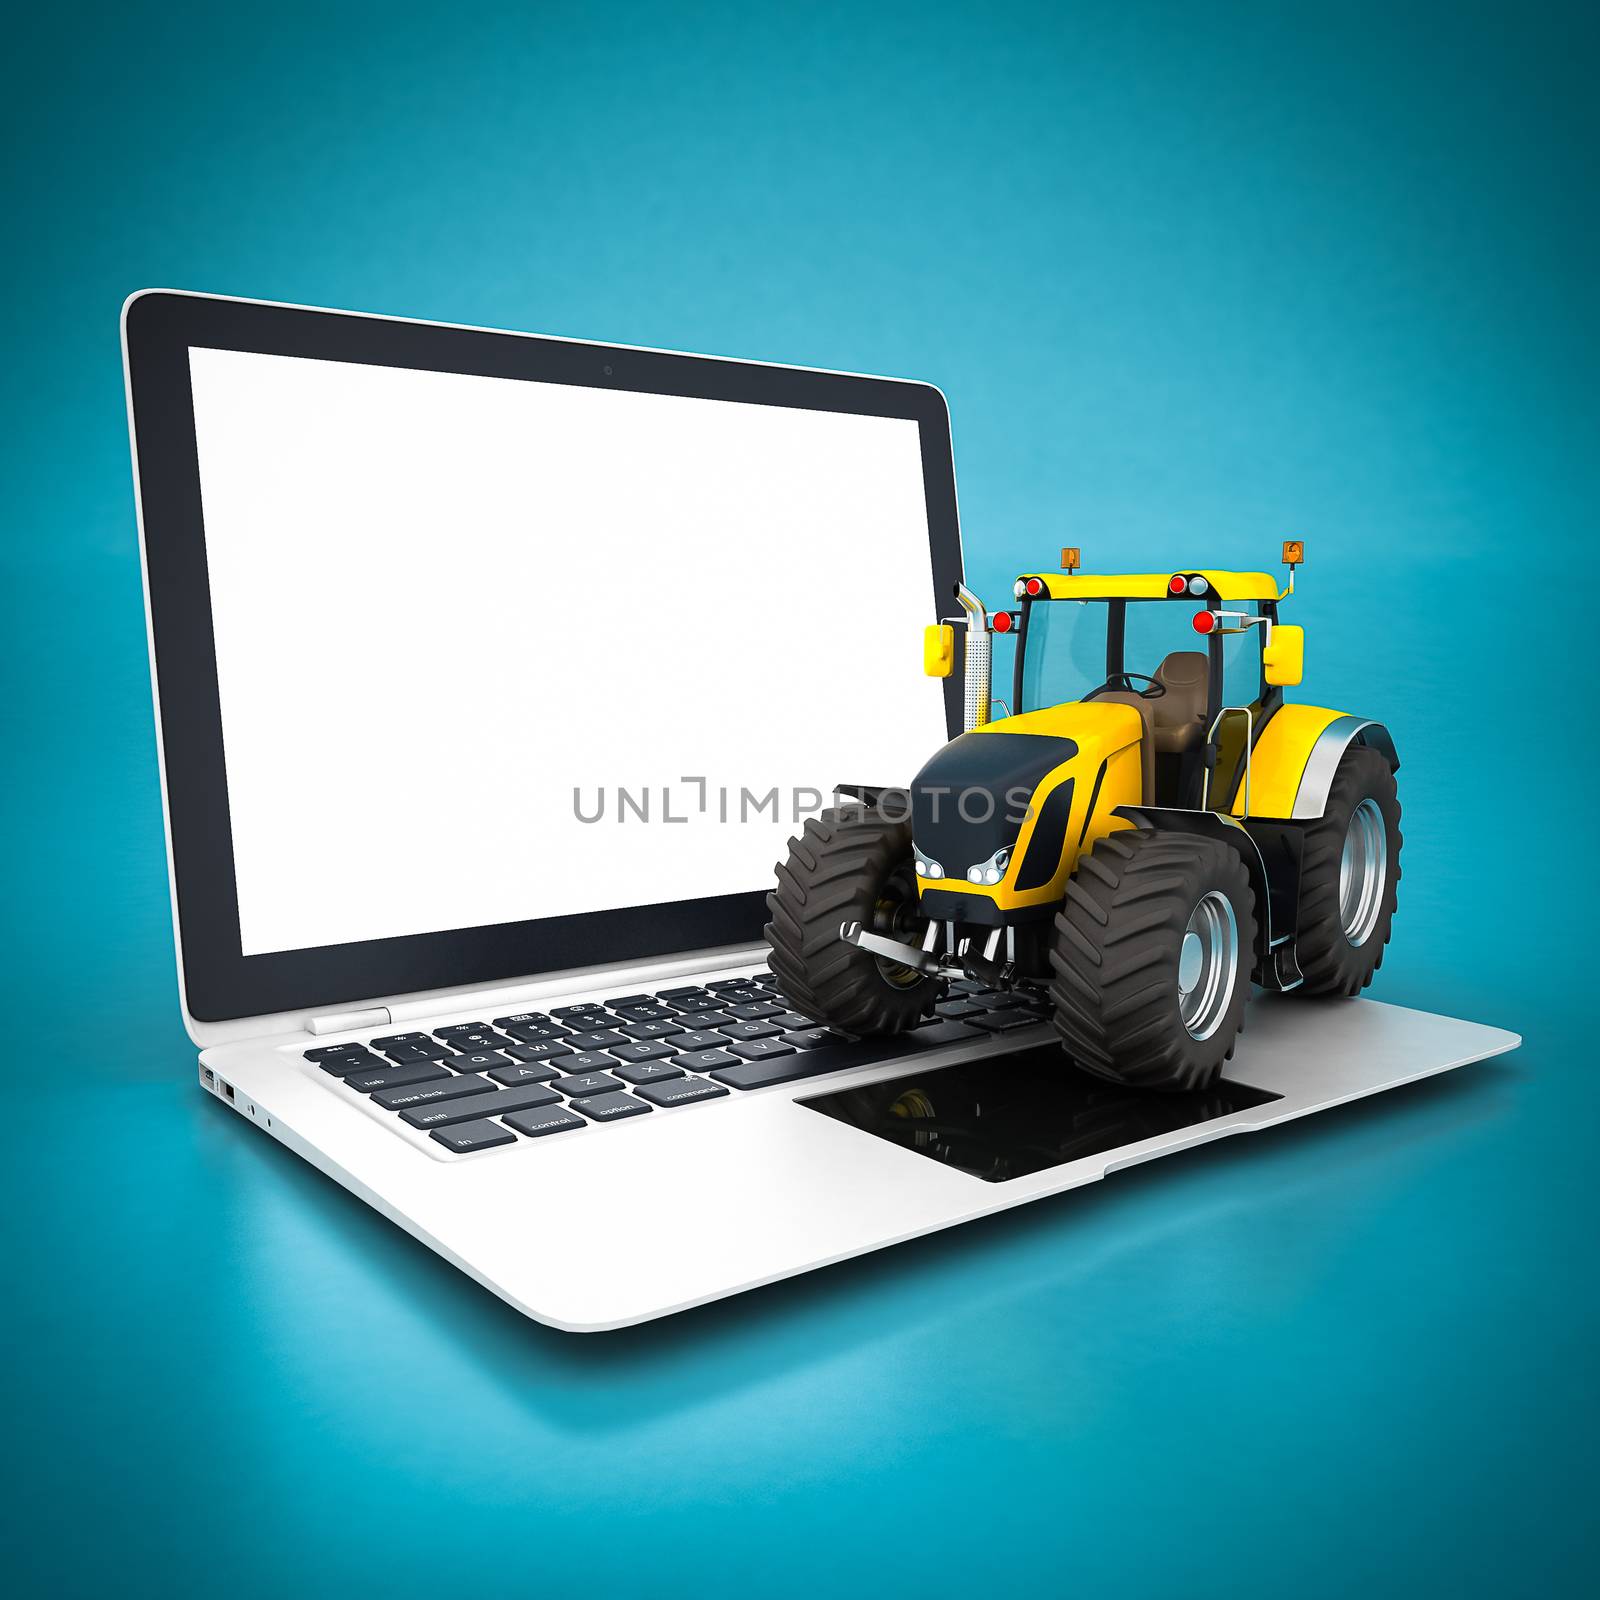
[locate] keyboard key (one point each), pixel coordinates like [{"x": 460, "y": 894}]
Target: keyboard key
[
  {"x": 648, "y": 1071},
  {"x": 423, "y": 1094},
  {"x": 992, "y": 1001},
  {"x": 395, "y": 1077},
  {"x": 650, "y": 1030},
  {"x": 949, "y": 1030},
  {"x": 477, "y": 1061},
  {"x": 1003, "y": 1021},
  {"x": 332, "y": 1052},
  {"x": 958, "y": 1008},
  {"x": 760, "y": 1049},
  {"x": 630, "y": 1000},
  {"x": 523, "y": 1019},
  {"x": 705, "y": 1060},
  {"x": 430, "y": 1050},
  {"x": 472, "y": 1136},
  {"x": 807, "y": 1039},
  {"x": 343, "y": 1066},
  {"x": 699, "y": 1039},
  {"x": 748, "y": 1030},
  {"x": 538, "y": 1052},
  {"x": 639, "y": 1050},
  {"x": 577, "y": 1010},
  {"x": 689, "y": 1003},
  {"x": 451, "y": 1029},
  {"x": 679, "y": 994},
  {"x": 552, "y": 1119},
  {"x": 646, "y": 1013},
  {"x": 493, "y": 1104},
  {"x": 812, "y": 1063},
  {"x": 598, "y": 1039},
  {"x": 532, "y": 1072},
  {"x": 537, "y": 1032},
  {"x": 792, "y": 1019},
  {"x": 609, "y": 1107},
  {"x": 754, "y": 1011},
  {"x": 681, "y": 1092},
  {"x": 705, "y": 1019},
  {"x": 585, "y": 1084},
  {"x": 486, "y": 1039},
  {"x": 729, "y": 984},
  {"x": 585, "y": 1061}
]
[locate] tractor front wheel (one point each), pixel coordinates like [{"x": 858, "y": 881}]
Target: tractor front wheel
[
  {"x": 849, "y": 865},
  {"x": 1153, "y": 952}
]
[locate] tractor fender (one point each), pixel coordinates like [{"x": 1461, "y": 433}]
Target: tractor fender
[
  {"x": 1296, "y": 755},
  {"x": 1225, "y": 830}
]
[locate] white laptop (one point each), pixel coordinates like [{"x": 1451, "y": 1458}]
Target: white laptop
[{"x": 493, "y": 673}]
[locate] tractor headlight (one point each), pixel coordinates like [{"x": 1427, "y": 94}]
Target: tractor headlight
[
  {"x": 927, "y": 867},
  {"x": 992, "y": 870}
]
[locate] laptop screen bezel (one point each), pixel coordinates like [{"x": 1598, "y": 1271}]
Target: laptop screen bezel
[{"x": 220, "y": 983}]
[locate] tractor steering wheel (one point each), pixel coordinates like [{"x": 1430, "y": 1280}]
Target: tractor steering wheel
[{"x": 1124, "y": 681}]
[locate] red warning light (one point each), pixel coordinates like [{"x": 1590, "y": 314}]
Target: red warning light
[
  {"x": 1034, "y": 586},
  {"x": 1002, "y": 622},
  {"x": 1205, "y": 621},
  {"x": 1177, "y": 584}
]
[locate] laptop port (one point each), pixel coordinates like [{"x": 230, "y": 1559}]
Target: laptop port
[{"x": 227, "y": 1089}]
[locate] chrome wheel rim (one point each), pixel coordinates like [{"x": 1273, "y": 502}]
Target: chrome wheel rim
[
  {"x": 1363, "y": 867},
  {"x": 1208, "y": 964}
]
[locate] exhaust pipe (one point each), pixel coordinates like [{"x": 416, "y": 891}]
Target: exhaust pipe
[{"x": 975, "y": 672}]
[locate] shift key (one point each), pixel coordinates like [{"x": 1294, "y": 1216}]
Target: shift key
[{"x": 473, "y": 1106}]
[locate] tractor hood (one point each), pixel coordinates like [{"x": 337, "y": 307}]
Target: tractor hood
[{"x": 971, "y": 799}]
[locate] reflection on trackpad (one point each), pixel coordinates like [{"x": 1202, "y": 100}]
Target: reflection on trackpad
[{"x": 1011, "y": 1115}]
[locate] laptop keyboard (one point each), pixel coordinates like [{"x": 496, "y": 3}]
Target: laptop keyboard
[{"x": 478, "y": 1085}]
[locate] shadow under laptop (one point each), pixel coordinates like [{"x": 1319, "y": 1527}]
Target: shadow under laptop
[{"x": 981, "y": 1275}]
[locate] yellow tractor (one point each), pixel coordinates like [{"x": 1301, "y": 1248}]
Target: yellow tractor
[{"x": 1124, "y": 850}]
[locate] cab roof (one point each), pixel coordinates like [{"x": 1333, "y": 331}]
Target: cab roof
[{"x": 1154, "y": 585}]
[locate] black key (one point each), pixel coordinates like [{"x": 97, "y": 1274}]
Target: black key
[
  {"x": 639, "y": 1050},
  {"x": 958, "y": 1008},
  {"x": 585, "y": 1061},
  {"x": 678, "y": 994},
  {"x": 995, "y": 1001},
  {"x": 586, "y": 1084},
  {"x": 792, "y": 1019},
  {"x": 680, "y": 1093},
  {"x": 552, "y": 1119},
  {"x": 477, "y": 1061},
  {"x": 748, "y": 1030},
  {"x": 812, "y": 1063},
  {"x": 610, "y": 1107},
  {"x": 650, "y": 1030},
  {"x": 493, "y": 1104},
  {"x": 699, "y": 1039},
  {"x": 647, "y": 1013},
  {"x": 423, "y": 1094},
  {"x": 450, "y": 1030},
  {"x": 1003, "y": 1021},
  {"x": 599, "y": 1039},
  {"x": 401, "y": 1038},
  {"x": 754, "y": 1011},
  {"x": 431, "y": 1051},
  {"x": 472, "y": 1136},
  {"x": 343, "y": 1066},
  {"x": 577, "y": 1010},
  {"x": 705, "y": 1019},
  {"x": 648, "y": 1071},
  {"x": 688, "y": 1003},
  {"x": 537, "y": 1032},
  {"x": 705, "y": 1060},
  {"x": 538, "y": 1052},
  {"x": 966, "y": 986},
  {"x": 523, "y": 1019},
  {"x": 394, "y": 1077},
  {"x": 947, "y": 1031},
  {"x": 478, "y": 1039},
  {"x": 631, "y": 1000},
  {"x": 731, "y": 983},
  {"x": 807, "y": 1039},
  {"x": 534, "y": 1072},
  {"x": 761, "y": 1049},
  {"x": 332, "y": 1052}
]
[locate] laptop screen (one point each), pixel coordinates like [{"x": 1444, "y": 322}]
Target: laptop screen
[{"x": 490, "y": 649}]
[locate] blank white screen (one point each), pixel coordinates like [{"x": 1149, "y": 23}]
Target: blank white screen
[{"x": 444, "y": 603}]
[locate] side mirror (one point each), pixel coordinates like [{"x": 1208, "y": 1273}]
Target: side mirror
[
  {"x": 1284, "y": 657},
  {"x": 939, "y": 650}
]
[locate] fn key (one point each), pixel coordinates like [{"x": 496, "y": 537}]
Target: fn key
[{"x": 466, "y": 1137}]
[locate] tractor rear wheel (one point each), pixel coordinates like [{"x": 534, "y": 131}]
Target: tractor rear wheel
[
  {"x": 1349, "y": 872},
  {"x": 1153, "y": 951},
  {"x": 851, "y": 864}
]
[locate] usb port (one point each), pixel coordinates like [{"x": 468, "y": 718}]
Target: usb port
[{"x": 227, "y": 1089}]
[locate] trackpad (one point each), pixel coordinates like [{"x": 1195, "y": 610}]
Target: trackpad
[{"x": 1011, "y": 1115}]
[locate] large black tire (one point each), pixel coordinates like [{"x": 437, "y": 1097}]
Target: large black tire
[
  {"x": 1341, "y": 936},
  {"x": 848, "y": 865},
  {"x": 1119, "y": 940}
]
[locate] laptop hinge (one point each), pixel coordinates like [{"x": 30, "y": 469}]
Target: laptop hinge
[{"x": 349, "y": 1021}]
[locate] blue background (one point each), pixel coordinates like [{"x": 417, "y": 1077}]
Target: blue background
[{"x": 1194, "y": 279}]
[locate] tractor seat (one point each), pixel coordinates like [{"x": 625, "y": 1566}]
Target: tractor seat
[{"x": 1178, "y": 718}]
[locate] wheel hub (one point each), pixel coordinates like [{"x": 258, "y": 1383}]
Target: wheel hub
[
  {"x": 1208, "y": 964},
  {"x": 1363, "y": 869}
]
